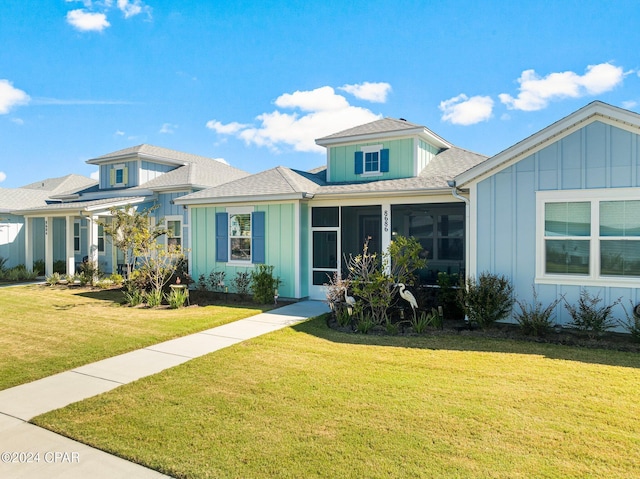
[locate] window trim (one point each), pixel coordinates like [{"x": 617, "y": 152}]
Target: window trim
[
  {"x": 179, "y": 219},
  {"x": 247, "y": 210},
  {"x": 104, "y": 244},
  {"x": 371, "y": 149},
  {"x": 595, "y": 197},
  {"x": 119, "y": 167}
]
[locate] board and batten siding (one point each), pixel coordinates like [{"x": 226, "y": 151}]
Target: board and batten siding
[
  {"x": 280, "y": 245},
  {"x": 132, "y": 174},
  {"x": 598, "y": 155},
  {"x": 426, "y": 152},
  {"x": 150, "y": 170},
  {"x": 401, "y": 154},
  {"x": 12, "y": 240}
]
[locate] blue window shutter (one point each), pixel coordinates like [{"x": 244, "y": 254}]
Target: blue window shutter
[
  {"x": 258, "y": 237},
  {"x": 359, "y": 162},
  {"x": 222, "y": 237},
  {"x": 384, "y": 160}
]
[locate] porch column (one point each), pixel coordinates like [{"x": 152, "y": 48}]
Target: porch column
[
  {"x": 92, "y": 238},
  {"x": 386, "y": 230},
  {"x": 71, "y": 259},
  {"x": 48, "y": 246},
  {"x": 28, "y": 244}
]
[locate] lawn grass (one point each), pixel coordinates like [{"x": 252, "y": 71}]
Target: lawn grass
[
  {"x": 46, "y": 330},
  {"x": 312, "y": 402}
]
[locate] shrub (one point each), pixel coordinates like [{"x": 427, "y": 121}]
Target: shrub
[
  {"x": 392, "y": 328},
  {"x": 3, "y": 261},
  {"x": 60, "y": 266},
  {"x": 421, "y": 322},
  {"x": 19, "y": 273},
  {"x": 116, "y": 278},
  {"x": 342, "y": 316},
  {"x": 177, "y": 298},
  {"x": 364, "y": 323},
  {"x": 216, "y": 280},
  {"x": 535, "y": 319},
  {"x": 202, "y": 283},
  {"x": 588, "y": 316},
  {"x": 488, "y": 299},
  {"x": 105, "y": 283},
  {"x": 153, "y": 298},
  {"x": 241, "y": 284},
  {"x": 38, "y": 266},
  {"x": 133, "y": 297},
  {"x": 449, "y": 285},
  {"x": 263, "y": 284},
  {"x": 632, "y": 323},
  {"x": 53, "y": 279}
]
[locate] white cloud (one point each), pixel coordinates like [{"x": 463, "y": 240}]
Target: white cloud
[
  {"x": 221, "y": 160},
  {"x": 3, "y": 176},
  {"x": 373, "y": 92},
  {"x": 133, "y": 8},
  {"x": 323, "y": 112},
  {"x": 17, "y": 121},
  {"x": 629, "y": 104},
  {"x": 536, "y": 92},
  {"x": 95, "y": 175},
  {"x": 462, "y": 110},
  {"x": 87, "y": 21},
  {"x": 119, "y": 133},
  {"x": 168, "y": 128},
  {"x": 11, "y": 96},
  {"x": 228, "y": 129}
]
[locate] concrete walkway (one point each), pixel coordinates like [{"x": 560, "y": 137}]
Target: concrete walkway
[{"x": 29, "y": 452}]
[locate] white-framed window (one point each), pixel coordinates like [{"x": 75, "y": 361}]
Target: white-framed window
[
  {"x": 100, "y": 239},
  {"x": 588, "y": 237},
  {"x": 119, "y": 175},
  {"x": 174, "y": 228},
  {"x": 240, "y": 234},
  {"x": 76, "y": 236},
  {"x": 371, "y": 157}
]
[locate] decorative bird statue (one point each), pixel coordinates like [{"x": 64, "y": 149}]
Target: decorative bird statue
[
  {"x": 407, "y": 296},
  {"x": 350, "y": 300}
]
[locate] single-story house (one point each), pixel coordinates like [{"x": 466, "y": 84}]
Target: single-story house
[
  {"x": 56, "y": 220},
  {"x": 559, "y": 210}
]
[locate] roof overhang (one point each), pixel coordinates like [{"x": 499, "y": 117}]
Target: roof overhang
[
  {"x": 422, "y": 132},
  {"x": 242, "y": 199},
  {"x": 595, "y": 111},
  {"x": 134, "y": 157},
  {"x": 80, "y": 208}
]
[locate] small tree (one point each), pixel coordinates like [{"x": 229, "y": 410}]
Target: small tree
[
  {"x": 131, "y": 232},
  {"x": 158, "y": 265}
]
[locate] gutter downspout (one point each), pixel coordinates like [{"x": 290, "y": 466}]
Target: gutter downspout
[{"x": 467, "y": 215}]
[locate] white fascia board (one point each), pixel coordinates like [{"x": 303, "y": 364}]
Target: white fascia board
[
  {"x": 369, "y": 194},
  {"x": 423, "y": 133},
  {"x": 135, "y": 157},
  {"x": 130, "y": 201},
  {"x": 593, "y": 112},
  {"x": 241, "y": 199}
]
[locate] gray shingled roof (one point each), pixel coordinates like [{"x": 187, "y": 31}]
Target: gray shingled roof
[
  {"x": 274, "y": 182},
  {"x": 83, "y": 205},
  {"x": 285, "y": 181},
  {"x": 205, "y": 174},
  {"x": 379, "y": 126},
  {"x": 21, "y": 198},
  {"x": 62, "y": 184}
]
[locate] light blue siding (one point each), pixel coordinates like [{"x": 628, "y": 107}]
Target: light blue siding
[
  {"x": 12, "y": 240},
  {"x": 150, "y": 170},
  {"x": 596, "y": 156},
  {"x": 132, "y": 175}
]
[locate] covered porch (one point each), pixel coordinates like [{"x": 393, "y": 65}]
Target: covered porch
[{"x": 64, "y": 235}]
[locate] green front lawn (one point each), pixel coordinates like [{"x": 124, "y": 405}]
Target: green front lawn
[
  {"x": 312, "y": 402},
  {"x": 46, "y": 330}
]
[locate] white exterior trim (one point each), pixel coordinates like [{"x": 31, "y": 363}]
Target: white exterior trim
[
  {"x": 297, "y": 271},
  {"x": 594, "y": 196}
]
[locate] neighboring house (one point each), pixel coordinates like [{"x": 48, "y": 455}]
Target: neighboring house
[
  {"x": 60, "y": 224},
  {"x": 384, "y": 178},
  {"x": 561, "y": 210}
]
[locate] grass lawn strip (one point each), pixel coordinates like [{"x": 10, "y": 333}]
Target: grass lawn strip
[
  {"x": 312, "y": 402},
  {"x": 48, "y": 330}
]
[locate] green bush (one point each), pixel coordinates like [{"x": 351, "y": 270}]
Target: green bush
[
  {"x": 53, "y": 279},
  {"x": 60, "y": 266},
  {"x": 177, "y": 298},
  {"x": 487, "y": 299},
  {"x": 423, "y": 321},
  {"x": 133, "y": 296},
  {"x": 263, "y": 284},
  {"x": 365, "y": 323},
  {"x": 632, "y": 323},
  {"x": 3, "y": 262},
  {"x": 153, "y": 298},
  {"x": 535, "y": 319},
  {"x": 588, "y": 316},
  {"x": 449, "y": 285},
  {"x": 19, "y": 273},
  {"x": 241, "y": 284},
  {"x": 116, "y": 278},
  {"x": 38, "y": 267}
]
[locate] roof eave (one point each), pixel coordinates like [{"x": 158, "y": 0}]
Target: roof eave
[
  {"x": 71, "y": 209},
  {"x": 422, "y": 132},
  {"x": 243, "y": 199},
  {"x": 390, "y": 192}
]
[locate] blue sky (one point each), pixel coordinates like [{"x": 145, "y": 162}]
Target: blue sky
[{"x": 255, "y": 82}]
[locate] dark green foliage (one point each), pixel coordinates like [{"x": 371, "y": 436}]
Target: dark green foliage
[
  {"x": 487, "y": 299},
  {"x": 38, "y": 267},
  {"x": 60, "y": 266},
  {"x": 263, "y": 284},
  {"x": 241, "y": 284},
  {"x": 536, "y": 319},
  {"x": 448, "y": 296},
  {"x": 632, "y": 323},
  {"x": 588, "y": 316}
]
